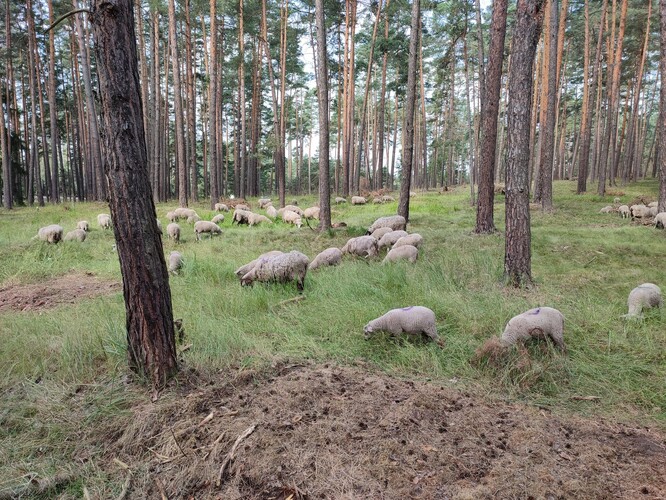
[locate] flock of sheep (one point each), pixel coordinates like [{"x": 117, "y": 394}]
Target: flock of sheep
[
  {"x": 637, "y": 211},
  {"x": 386, "y": 233}
]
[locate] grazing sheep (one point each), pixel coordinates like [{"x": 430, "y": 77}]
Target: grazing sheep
[
  {"x": 264, "y": 202},
  {"x": 638, "y": 211},
  {"x": 243, "y": 206},
  {"x": 171, "y": 216},
  {"x": 358, "y": 200},
  {"x": 311, "y": 213},
  {"x": 329, "y": 257},
  {"x": 378, "y": 233},
  {"x": 204, "y": 226},
  {"x": 642, "y": 297},
  {"x": 217, "y": 219},
  {"x": 83, "y": 224},
  {"x": 606, "y": 210},
  {"x": 617, "y": 200},
  {"x": 50, "y": 234},
  {"x": 104, "y": 221},
  {"x": 173, "y": 231},
  {"x": 652, "y": 211},
  {"x": 175, "y": 262},
  {"x": 377, "y": 201},
  {"x": 254, "y": 219},
  {"x": 386, "y": 198},
  {"x": 404, "y": 252},
  {"x": 292, "y": 208},
  {"x": 414, "y": 240},
  {"x": 76, "y": 235},
  {"x": 413, "y": 320},
  {"x": 243, "y": 270},
  {"x": 363, "y": 246},
  {"x": 653, "y": 204},
  {"x": 221, "y": 207},
  {"x": 624, "y": 211},
  {"x": 294, "y": 202},
  {"x": 660, "y": 220},
  {"x": 540, "y": 322},
  {"x": 193, "y": 219},
  {"x": 395, "y": 222},
  {"x": 184, "y": 213},
  {"x": 390, "y": 238},
  {"x": 340, "y": 199},
  {"x": 292, "y": 266},
  {"x": 292, "y": 218},
  {"x": 272, "y": 212},
  {"x": 241, "y": 216}
]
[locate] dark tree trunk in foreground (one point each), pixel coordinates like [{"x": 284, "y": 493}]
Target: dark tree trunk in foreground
[
  {"x": 410, "y": 100},
  {"x": 517, "y": 259},
  {"x": 150, "y": 331},
  {"x": 322, "y": 96},
  {"x": 490, "y": 98},
  {"x": 662, "y": 109}
]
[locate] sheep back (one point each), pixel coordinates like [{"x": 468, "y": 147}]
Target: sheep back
[
  {"x": 390, "y": 238},
  {"x": 412, "y": 320},
  {"x": 378, "y": 233},
  {"x": 413, "y": 239},
  {"x": 76, "y": 235},
  {"x": 51, "y": 233},
  {"x": 395, "y": 222},
  {"x": 204, "y": 226},
  {"x": 363, "y": 246},
  {"x": 642, "y": 297},
  {"x": 243, "y": 270},
  {"x": 311, "y": 213},
  {"x": 329, "y": 257},
  {"x": 292, "y": 266},
  {"x": 358, "y": 200},
  {"x": 404, "y": 252},
  {"x": 539, "y": 322}
]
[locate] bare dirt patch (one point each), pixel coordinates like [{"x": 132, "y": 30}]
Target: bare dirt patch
[
  {"x": 65, "y": 289},
  {"x": 340, "y": 432}
]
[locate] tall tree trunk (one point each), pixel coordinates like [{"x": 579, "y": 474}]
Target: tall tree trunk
[
  {"x": 283, "y": 104},
  {"x": 410, "y": 101},
  {"x": 518, "y": 255},
  {"x": 179, "y": 132},
  {"x": 322, "y": 100},
  {"x": 150, "y": 330},
  {"x": 32, "y": 77},
  {"x": 53, "y": 116},
  {"x": 381, "y": 115},
  {"x": 191, "y": 108},
  {"x": 6, "y": 158},
  {"x": 242, "y": 153},
  {"x": 212, "y": 107},
  {"x": 661, "y": 207}
]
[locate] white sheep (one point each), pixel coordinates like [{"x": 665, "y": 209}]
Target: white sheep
[
  {"x": 378, "y": 233},
  {"x": 292, "y": 218},
  {"x": 329, "y": 257},
  {"x": 175, "y": 262},
  {"x": 377, "y": 201},
  {"x": 395, "y": 222},
  {"x": 311, "y": 213},
  {"x": 184, "y": 213},
  {"x": 390, "y": 238},
  {"x": 76, "y": 235},
  {"x": 413, "y": 320},
  {"x": 264, "y": 202},
  {"x": 653, "y": 204},
  {"x": 386, "y": 198},
  {"x": 624, "y": 211},
  {"x": 617, "y": 200},
  {"x": 292, "y": 208},
  {"x": 83, "y": 224},
  {"x": 405, "y": 252},
  {"x": 642, "y": 297},
  {"x": 104, "y": 221},
  {"x": 652, "y": 211},
  {"x": 358, "y": 200},
  {"x": 221, "y": 207},
  {"x": 243, "y": 270},
  {"x": 414, "y": 240},
  {"x": 606, "y": 210},
  {"x": 193, "y": 219},
  {"x": 171, "y": 216},
  {"x": 243, "y": 206},
  {"x": 173, "y": 231},
  {"x": 292, "y": 266},
  {"x": 241, "y": 216},
  {"x": 638, "y": 211},
  {"x": 271, "y": 211},
  {"x": 51, "y": 233},
  {"x": 660, "y": 220},
  {"x": 294, "y": 202},
  {"x": 340, "y": 199},
  {"x": 217, "y": 219},
  {"x": 540, "y": 322},
  {"x": 204, "y": 226},
  {"x": 254, "y": 219},
  {"x": 363, "y": 246}
]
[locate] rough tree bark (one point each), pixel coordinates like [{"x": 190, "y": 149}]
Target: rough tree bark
[
  {"x": 212, "y": 107},
  {"x": 518, "y": 255},
  {"x": 322, "y": 96},
  {"x": 149, "y": 317},
  {"x": 662, "y": 108},
  {"x": 179, "y": 132}
]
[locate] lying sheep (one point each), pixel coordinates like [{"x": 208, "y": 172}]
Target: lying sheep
[
  {"x": 414, "y": 240},
  {"x": 660, "y": 220},
  {"x": 340, "y": 199},
  {"x": 413, "y": 320},
  {"x": 358, "y": 200},
  {"x": 217, "y": 219},
  {"x": 378, "y": 233},
  {"x": 184, "y": 213},
  {"x": 104, "y": 221},
  {"x": 292, "y": 266},
  {"x": 606, "y": 210},
  {"x": 193, "y": 219},
  {"x": 243, "y": 270},
  {"x": 173, "y": 232},
  {"x": 51, "y": 233},
  {"x": 642, "y": 297},
  {"x": 76, "y": 235},
  {"x": 83, "y": 224},
  {"x": 311, "y": 213},
  {"x": 221, "y": 207},
  {"x": 395, "y": 222},
  {"x": 390, "y": 238},
  {"x": 272, "y": 212},
  {"x": 175, "y": 262},
  {"x": 264, "y": 202},
  {"x": 329, "y": 257},
  {"x": 204, "y": 226},
  {"x": 363, "y": 246},
  {"x": 624, "y": 211},
  {"x": 292, "y": 218},
  {"x": 254, "y": 219},
  {"x": 240, "y": 216},
  {"x": 405, "y": 252},
  {"x": 540, "y": 322}
]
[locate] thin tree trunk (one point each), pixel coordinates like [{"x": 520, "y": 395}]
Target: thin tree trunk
[
  {"x": 32, "y": 77},
  {"x": 322, "y": 100},
  {"x": 179, "y": 132},
  {"x": 212, "y": 107},
  {"x": 55, "y": 136},
  {"x": 661, "y": 207}
]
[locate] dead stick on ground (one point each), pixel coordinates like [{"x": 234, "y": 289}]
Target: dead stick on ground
[
  {"x": 232, "y": 454},
  {"x": 177, "y": 444},
  {"x": 207, "y": 419},
  {"x": 214, "y": 445},
  {"x": 289, "y": 301}
]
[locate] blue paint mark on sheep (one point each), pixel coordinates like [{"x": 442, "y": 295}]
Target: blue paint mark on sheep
[
  {"x": 536, "y": 311},
  {"x": 407, "y": 308}
]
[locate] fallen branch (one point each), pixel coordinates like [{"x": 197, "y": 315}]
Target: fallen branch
[
  {"x": 298, "y": 298},
  {"x": 207, "y": 419},
  {"x": 232, "y": 453}
]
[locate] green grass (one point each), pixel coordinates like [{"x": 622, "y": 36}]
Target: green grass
[{"x": 584, "y": 263}]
